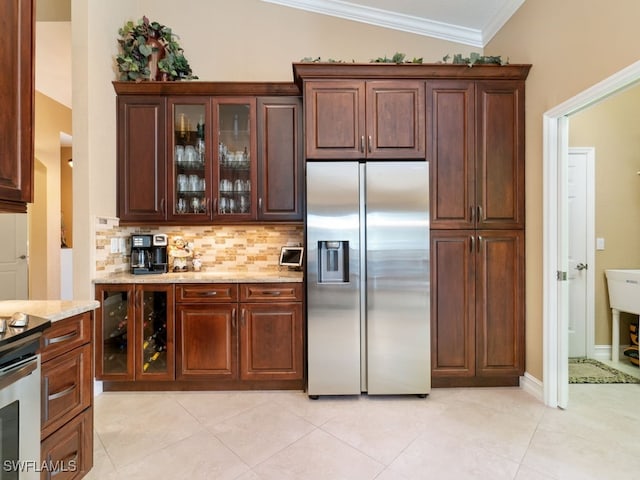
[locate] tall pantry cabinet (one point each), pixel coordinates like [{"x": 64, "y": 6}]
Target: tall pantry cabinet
[
  {"x": 469, "y": 125},
  {"x": 475, "y": 137}
]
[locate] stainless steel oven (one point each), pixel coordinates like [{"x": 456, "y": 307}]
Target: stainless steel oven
[
  {"x": 20, "y": 419},
  {"x": 20, "y": 397}
]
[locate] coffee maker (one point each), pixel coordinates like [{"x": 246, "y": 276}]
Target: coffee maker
[
  {"x": 141, "y": 247},
  {"x": 159, "y": 256}
]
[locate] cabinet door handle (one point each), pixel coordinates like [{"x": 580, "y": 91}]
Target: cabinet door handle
[
  {"x": 472, "y": 244},
  {"x": 162, "y": 206},
  {"x": 480, "y": 213},
  {"x": 271, "y": 292},
  {"x": 362, "y": 144},
  {"x": 61, "y": 338},
  {"x": 479, "y": 242},
  {"x": 234, "y": 321},
  {"x": 370, "y": 144},
  {"x": 215, "y": 205},
  {"x": 207, "y": 204},
  {"x": 260, "y": 204},
  {"x": 472, "y": 212},
  {"x": 242, "y": 320}
]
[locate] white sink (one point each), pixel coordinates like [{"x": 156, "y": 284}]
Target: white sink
[{"x": 624, "y": 289}]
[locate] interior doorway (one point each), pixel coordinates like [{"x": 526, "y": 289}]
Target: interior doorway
[
  {"x": 555, "y": 236},
  {"x": 14, "y": 257},
  {"x": 581, "y": 257}
]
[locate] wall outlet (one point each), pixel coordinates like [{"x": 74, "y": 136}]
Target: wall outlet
[
  {"x": 122, "y": 244},
  {"x": 600, "y": 243},
  {"x": 114, "y": 245}
]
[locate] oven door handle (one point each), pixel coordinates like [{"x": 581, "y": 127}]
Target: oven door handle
[{"x": 12, "y": 375}]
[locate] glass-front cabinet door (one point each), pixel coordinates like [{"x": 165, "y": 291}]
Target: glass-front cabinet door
[
  {"x": 155, "y": 356},
  {"x": 114, "y": 332},
  {"x": 235, "y": 131},
  {"x": 190, "y": 159}
]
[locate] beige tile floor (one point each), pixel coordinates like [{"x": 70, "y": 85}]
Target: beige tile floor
[{"x": 486, "y": 433}]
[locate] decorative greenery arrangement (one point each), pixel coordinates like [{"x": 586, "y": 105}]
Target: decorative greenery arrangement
[
  {"x": 475, "y": 59},
  {"x": 458, "y": 59},
  {"x": 150, "y": 51}
]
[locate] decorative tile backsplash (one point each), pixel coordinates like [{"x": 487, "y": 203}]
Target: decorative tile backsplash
[{"x": 227, "y": 248}]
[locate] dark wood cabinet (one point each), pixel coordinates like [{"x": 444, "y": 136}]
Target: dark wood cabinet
[
  {"x": 207, "y": 334},
  {"x": 280, "y": 166},
  {"x": 134, "y": 332},
  {"x": 17, "y": 89},
  {"x": 377, "y": 119},
  {"x": 142, "y": 158},
  {"x": 228, "y": 336},
  {"x": 271, "y": 332},
  {"x": 205, "y": 152},
  {"x": 477, "y": 307},
  {"x": 67, "y": 397},
  {"x": 475, "y": 133}
]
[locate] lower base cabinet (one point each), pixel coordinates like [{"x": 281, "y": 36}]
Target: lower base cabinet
[
  {"x": 227, "y": 337},
  {"x": 67, "y": 399},
  {"x": 477, "y": 307}
]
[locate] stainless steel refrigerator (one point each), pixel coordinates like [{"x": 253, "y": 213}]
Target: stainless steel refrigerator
[{"x": 367, "y": 237}]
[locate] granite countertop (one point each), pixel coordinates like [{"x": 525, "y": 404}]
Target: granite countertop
[
  {"x": 53, "y": 310},
  {"x": 205, "y": 277}
]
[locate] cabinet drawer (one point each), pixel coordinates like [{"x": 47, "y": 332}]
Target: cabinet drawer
[
  {"x": 206, "y": 292},
  {"x": 265, "y": 292},
  {"x": 65, "y": 335},
  {"x": 70, "y": 449},
  {"x": 66, "y": 388}
]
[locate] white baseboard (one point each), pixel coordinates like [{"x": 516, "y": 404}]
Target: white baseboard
[
  {"x": 603, "y": 352},
  {"x": 532, "y": 385}
]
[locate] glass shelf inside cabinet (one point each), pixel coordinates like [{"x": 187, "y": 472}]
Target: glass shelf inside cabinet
[
  {"x": 154, "y": 332},
  {"x": 189, "y": 159},
  {"x": 234, "y": 155},
  {"x": 114, "y": 333}
]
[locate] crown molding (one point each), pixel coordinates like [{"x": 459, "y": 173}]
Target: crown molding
[
  {"x": 392, "y": 20},
  {"x": 499, "y": 19}
]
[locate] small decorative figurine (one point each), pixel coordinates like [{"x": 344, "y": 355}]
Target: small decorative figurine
[
  {"x": 180, "y": 252},
  {"x": 197, "y": 261}
]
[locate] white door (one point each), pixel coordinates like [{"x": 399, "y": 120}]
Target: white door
[
  {"x": 14, "y": 257},
  {"x": 580, "y": 190}
]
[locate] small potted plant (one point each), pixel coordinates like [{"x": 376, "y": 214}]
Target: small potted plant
[{"x": 150, "y": 51}]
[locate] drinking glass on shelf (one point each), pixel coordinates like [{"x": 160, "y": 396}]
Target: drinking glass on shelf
[
  {"x": 182, "y": 205},
  {"x": 182, "y": 182},
  {"x": 179, "y": 154},
  {"x": 195, "y": 204},
  {"x": 223, "y": 205}
]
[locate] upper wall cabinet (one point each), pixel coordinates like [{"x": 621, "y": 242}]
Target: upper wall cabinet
[
  {"x": 203, "y": 152},
  {"x": 475, "y": 132},
  {"x": 17, "y": 100},
  {"x": 364, "y": 119}
]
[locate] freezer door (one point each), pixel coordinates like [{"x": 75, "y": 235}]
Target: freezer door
[
  {"x": 397, "y": 287},
  {"x": 333, "y": 297}
]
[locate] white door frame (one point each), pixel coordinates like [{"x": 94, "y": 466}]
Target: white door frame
[
  {"x": 554, "y": 162},
  {"x": 590, "y": 254}
]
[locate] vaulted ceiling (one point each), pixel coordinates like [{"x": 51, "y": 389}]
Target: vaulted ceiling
[{"x": 470, "y": 22}]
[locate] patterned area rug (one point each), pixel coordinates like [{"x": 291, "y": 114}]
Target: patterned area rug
[{"x": 586, "y": 370}]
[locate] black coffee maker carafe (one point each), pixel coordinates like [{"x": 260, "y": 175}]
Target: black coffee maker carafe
[
  {"x": 141, "y": 249},
  {"x": 159, "y": 257}
]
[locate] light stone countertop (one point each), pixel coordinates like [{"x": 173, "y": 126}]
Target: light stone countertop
[
  {"x": 53, "y": 310},
  {"x": 283, "y": 276}
]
